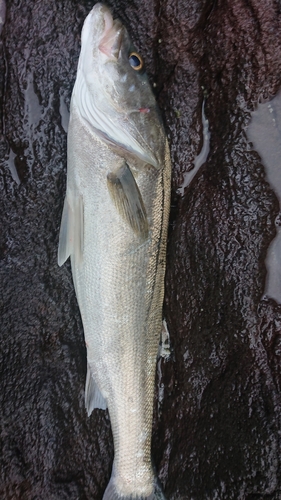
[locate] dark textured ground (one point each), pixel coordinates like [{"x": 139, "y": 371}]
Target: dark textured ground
[{"x": 217, "y": 430}]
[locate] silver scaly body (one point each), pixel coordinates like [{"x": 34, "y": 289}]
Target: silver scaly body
[{"x": 114, "y": 228}]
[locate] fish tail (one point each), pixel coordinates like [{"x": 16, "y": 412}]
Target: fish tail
[{"x": 112, "y": 494}]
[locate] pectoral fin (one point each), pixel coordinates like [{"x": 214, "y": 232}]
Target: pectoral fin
[
  {"x": 127, "y": 198},
  {"x": 71, "y": 239}
]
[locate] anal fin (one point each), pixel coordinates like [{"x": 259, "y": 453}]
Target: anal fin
[
  {"x": 93, "y": 396},
  {"x": 71, "y": 239},
  {"x": 127, "y": 198},
  {"x": 65, "y": 247}
]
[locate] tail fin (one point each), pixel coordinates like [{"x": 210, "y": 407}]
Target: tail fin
[{"x": 111, "y": 493}]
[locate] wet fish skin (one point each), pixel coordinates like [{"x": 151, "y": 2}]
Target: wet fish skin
[{"x": 114, "y": 228}]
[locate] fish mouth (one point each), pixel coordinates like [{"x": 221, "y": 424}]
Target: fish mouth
[
  {"x": 110, "y": 44},
  {"x": 103, "y": 32}
]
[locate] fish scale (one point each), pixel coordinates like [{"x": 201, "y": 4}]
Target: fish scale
[{"x": 114, "y": 228}]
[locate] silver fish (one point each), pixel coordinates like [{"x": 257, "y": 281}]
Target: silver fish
[{"x": 114, "y": 228}]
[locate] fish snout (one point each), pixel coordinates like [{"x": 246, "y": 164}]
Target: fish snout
[
  {"x": 102, "y": 32},
  {"x": 110, "y": 43}
]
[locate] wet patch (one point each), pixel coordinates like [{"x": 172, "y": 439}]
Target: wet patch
[{"x": 264, "y": 132}]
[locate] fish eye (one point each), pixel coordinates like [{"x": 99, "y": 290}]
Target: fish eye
[{"x": 136, "y": 61}]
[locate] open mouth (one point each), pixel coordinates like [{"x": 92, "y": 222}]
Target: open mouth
[
  {"x": 111, "y": 40},
  {"x": 102, "y": 32}
]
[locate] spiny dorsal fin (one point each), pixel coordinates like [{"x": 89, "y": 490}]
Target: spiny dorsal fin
[{"x": 127, "y": 198}]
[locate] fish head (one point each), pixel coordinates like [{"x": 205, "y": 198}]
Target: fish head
[{"x": 112, "y": 90}]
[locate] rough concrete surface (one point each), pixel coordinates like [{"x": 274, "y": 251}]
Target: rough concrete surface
[{"x": 216, "y": 432}]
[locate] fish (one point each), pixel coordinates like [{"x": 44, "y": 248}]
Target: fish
[{"x": 114, "y": 229}]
